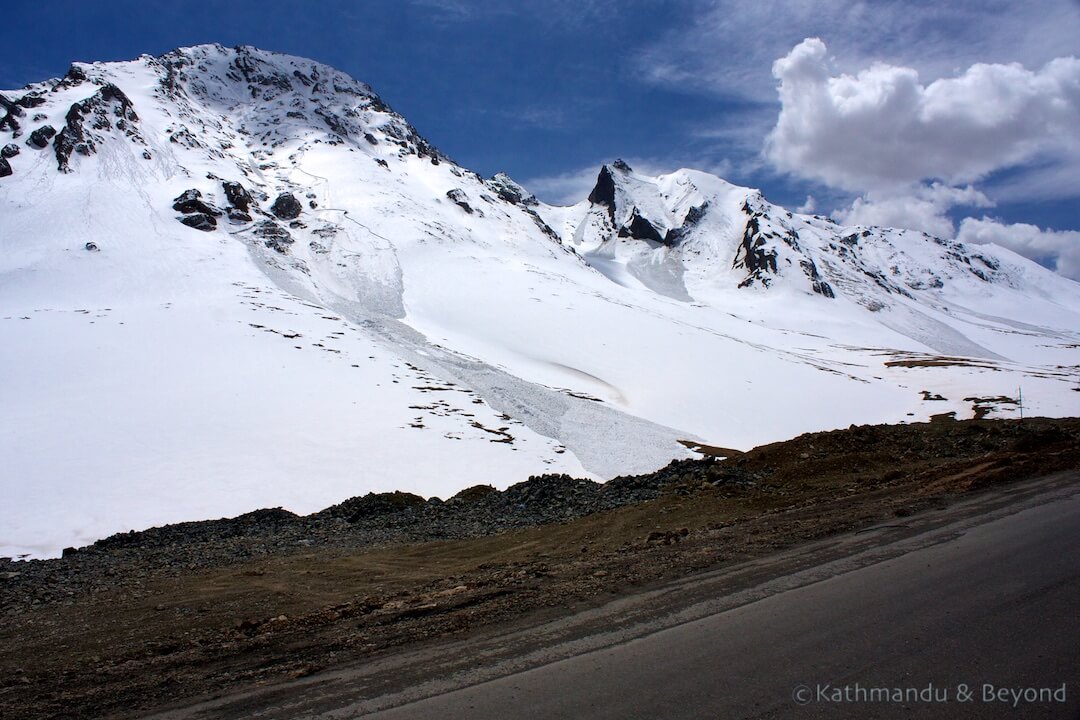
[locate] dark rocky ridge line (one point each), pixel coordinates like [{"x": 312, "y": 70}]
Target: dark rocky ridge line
[{"x": 870, "y": 456}]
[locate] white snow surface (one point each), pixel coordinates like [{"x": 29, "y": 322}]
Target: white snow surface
[{"x": 405, "y": 342}]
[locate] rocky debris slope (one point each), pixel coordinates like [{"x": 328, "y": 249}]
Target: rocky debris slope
[
  {"x": 585, "y": 340},
  {"x": 865, "y": 457},
  {"x": 141, "y": 621}
]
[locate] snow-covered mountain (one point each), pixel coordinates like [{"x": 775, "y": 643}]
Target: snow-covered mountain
[{"x": 233, "y": 279}]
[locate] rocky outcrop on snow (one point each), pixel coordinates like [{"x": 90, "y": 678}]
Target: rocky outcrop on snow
[
  {"x": 237, "y": 196},
  {"x": 507, "y": 189},
  {"x": 200, "y": 221},
  {"x": 459, "y": 198},
  {"x": 274, "y": 236},
  {"x": 603, "y": 192},
  {"x": 190, "y": 201},
  {"x": 286, "y": 207},
  {"x": 764, "y": 239},
  {"x": 40, "y": 137},
  {"x": 400, "y": 309},
  {"x": 107, "y": 109}
]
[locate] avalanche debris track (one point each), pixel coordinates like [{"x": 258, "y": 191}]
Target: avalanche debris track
[{"x": 142, "y": 620}]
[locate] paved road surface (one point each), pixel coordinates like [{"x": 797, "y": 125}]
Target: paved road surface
[{"x": 987, "y": 592}]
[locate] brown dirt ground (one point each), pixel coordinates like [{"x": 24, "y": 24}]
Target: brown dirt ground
[{"x": 118, "y": 653}]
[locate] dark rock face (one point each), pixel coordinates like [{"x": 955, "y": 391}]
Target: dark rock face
[
  {"x": 544, "y": 227},
  {"x": 74, "y": 76},
  {"x": 30, "y": 101},
  {"x": 753, "y": 255},
  {"x": 189, "y": 202},
  {"x": 5, "y": 167},
  {"x": 200, "y": 221},
  {"x": 459, "y": 198},
  {"x": 757, "y": 252},
  {"x": 91, "y": 247},
  {"x": 99, "y": 110},
  {"x": 238, "y": 216},
  {"x": 816, "y": 281},
  {"x": 264, "y": 81},
  {"x": 603, "y": 193},
  {"x": 8, "y": 122},
  {"x": 9, "y": 106},
  {"x": 237, "y": 196},
  {"x": 640, "y": 229},
  {"x": 334, "y": 122},
  {"x": 505, "y": 187},
  {"x": 286, "y": 206},
  {"x": 40, "y": 138},
  {"x": 9, "y": 151},
  {"x": 11, "y": 111},
  {"x": 274, "y": 236},
  {"x": 71, "y": 137},
  {"x": 693, "y": 217}
]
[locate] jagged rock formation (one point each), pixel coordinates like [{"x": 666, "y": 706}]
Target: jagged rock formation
[
  {"x": 339, "y": 307},
  {"x": 286, "y": 207}
]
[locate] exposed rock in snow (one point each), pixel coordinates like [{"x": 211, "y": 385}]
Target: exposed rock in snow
[
  {"x": 237, "y": 196},
  {"x": 275, "y": 237},
  {"x": 459, "y": 198},
  {"x": 200, "y": 221},
  {"x": 423, "y": 329},
  {"x": 286, "y": 206},
  {"x": 99, "y": 110},
  {"x": 190, "y": 201},
  {"x": 507, "y": 189},
  {"x": 40, "y": 137}
]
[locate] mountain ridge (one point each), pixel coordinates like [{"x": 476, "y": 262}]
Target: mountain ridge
[{"x": 242, "y": 275}]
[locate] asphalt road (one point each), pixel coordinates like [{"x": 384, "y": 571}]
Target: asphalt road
[{"x": 982, "y": 598}]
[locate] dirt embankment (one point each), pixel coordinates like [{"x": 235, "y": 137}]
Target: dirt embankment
[{"x": 144, "y": 619}]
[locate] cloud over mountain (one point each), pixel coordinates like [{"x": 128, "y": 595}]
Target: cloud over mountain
[
  {"x": 883, "y": 128},
  {"x": 910, "y": 148}
]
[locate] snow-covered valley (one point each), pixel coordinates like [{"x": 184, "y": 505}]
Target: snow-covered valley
[{"x": 233, "y": 279}]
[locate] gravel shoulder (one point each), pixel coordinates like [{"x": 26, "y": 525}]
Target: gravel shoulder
[{"x": 141, "y": 621}]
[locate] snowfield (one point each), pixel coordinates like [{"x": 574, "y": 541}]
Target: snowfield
[{"x": 417, "y": 327}]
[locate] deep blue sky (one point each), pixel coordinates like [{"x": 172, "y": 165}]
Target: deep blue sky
[{"x": 549, "y": 91}]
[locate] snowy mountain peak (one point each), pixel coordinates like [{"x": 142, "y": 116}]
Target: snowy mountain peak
[
  {"x": 231, "y": 279},
  {"x": 707, "y": 233}
]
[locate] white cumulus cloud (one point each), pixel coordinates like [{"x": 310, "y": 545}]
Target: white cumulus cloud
[
  {"x": 910, "y": 150},
  {"x": 920, "y": 208},
  {"x": 1062, "y": 248},
  {"x": 883, "y": 129}
]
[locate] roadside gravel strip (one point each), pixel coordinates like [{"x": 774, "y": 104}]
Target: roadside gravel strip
[{"x": 142, "y": 621}]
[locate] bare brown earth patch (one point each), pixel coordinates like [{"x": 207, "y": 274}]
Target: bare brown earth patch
[{"x": 144, "y": 620}]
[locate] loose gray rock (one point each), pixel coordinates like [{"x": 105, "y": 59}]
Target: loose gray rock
[
  {"x": 238, "y": 216},
  {"x": 237, "y": 196},
  {"x": 190, "y": 201},
  {"x": 200, "y": 221},
  {"x": 286, "y": 206},
  {"x": 458, "y": 196},
  {"x": 9, "y": 151},
  {"x": 274, "y": 236},
  {"x": 40, "y": 138}
]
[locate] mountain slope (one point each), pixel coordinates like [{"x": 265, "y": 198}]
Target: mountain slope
[{"x": 231, "y": 278}]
